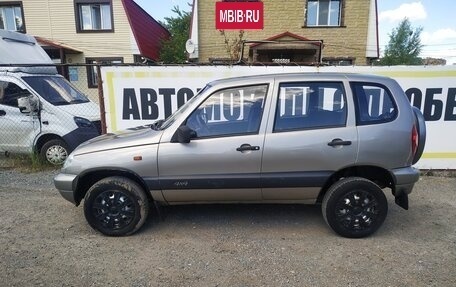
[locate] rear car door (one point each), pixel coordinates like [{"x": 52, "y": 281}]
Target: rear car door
[
  {"x": 222, "y": 162},
  {"x": 313, "y": 135}
]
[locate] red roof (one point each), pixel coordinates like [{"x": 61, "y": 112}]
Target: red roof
[{"x": 147, "y": 31}]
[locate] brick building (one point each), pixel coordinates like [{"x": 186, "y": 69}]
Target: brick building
[{"x": 345, "y": 30}]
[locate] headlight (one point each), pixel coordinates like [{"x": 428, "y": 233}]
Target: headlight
[{"x": 82, "y": 123}]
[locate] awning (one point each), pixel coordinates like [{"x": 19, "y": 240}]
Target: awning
[{"x": 57, "y": 45}]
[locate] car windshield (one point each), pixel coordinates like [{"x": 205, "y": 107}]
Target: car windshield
[
  {"x": 56, "y": 90},
  {"x": 169, "y": 121}
]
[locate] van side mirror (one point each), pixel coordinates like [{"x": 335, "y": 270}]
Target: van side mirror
[
  {"x": 183, "y": 134},
  {"x": 28, "y": 104}
]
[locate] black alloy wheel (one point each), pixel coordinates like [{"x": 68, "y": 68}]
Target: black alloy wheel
[
  {"x": 354, "y": 207},
  {"x": 357, "y": 210},
  {"x": 113, "y": 209},
  {"x": 116, "y": 206}
]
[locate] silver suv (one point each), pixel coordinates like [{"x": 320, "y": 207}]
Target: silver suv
[{"x": 330, "y": 139}]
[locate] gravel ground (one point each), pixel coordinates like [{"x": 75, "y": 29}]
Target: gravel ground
[{"x": 45, "y": 241}]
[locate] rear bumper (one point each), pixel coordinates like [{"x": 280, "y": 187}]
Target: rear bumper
[
  {"x": 404, "y": 179},
  {"x": 65, "y": 183}
]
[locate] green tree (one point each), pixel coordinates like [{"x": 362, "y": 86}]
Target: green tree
[
  {"x": 404, "y": 46},
  {"x": 173, "y": 50}
]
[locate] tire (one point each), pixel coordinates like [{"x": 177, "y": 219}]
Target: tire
[
  {"x": 54, "y": 151},
  {"x": 354, "y": 207},
  {"x": 116, "y": 206}
]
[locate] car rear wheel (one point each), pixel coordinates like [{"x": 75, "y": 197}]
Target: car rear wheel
[
  {"x": 116, "y": 206},
  {"x": 354, "y": 207}
]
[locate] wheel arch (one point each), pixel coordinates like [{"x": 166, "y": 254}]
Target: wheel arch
[
  {"x": 89, "y": 178},
  {"x": 41, "y": 140},
  {"x": 380, "y": 176}
]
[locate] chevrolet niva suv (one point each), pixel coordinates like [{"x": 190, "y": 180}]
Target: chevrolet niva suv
[{"x": 332, "y": 139}]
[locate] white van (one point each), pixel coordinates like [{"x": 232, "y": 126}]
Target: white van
[{"x": 40, "y": 111}]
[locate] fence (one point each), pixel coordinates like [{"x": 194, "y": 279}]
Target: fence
[
  {"x": 35, "y": 101},
  {"x": 70, "y": 112}
]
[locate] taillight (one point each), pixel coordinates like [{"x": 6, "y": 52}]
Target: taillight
[{"x": 414, "y": 140}]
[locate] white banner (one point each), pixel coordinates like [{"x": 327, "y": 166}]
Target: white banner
[{"x": 140, "y": 95}]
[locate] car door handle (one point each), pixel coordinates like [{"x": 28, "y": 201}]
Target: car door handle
[
  {"x": 246, "y": 147},
  {"x": 2, "y": 113},
  {"x": 338, "y": 142}
]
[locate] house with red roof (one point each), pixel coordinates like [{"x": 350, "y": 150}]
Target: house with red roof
[{"x": 87, "y": 31}]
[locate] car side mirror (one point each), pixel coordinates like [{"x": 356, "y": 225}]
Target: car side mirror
[
  {"x": 28, "y": 104},
  {"x": 184, "y": 134}
]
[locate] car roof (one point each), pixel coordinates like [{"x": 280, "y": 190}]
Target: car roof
[{"x": 305, "y": 76}]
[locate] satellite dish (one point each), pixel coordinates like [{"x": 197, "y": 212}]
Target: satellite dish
[{"x": 190, "y": 46}]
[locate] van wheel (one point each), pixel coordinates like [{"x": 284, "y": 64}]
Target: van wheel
[
  {"x": 54, "y": 151},
  {"x": 354, "y": 207},
  {"x": 116, "y": 206}
]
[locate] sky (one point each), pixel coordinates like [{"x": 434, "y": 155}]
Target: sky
[{"x": 436, "y": 17}]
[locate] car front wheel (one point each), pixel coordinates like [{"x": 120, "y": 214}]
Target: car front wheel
[
  {"x": 116, "y": 206},
  {"x": 354, "y": 207}
]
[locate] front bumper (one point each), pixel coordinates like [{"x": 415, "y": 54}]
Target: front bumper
[
  {"x": 80, "y": 135},
  {"x": 66, "y": 184}
]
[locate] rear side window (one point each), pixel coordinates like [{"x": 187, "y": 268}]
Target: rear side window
[
  {"x": 374, "y": 104},
  {"x": 310, "y": 105}
]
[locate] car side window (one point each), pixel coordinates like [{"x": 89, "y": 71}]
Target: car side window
[
  {"x": 9, "y": 93},
  {"x": 374, "y": 104},
  {"x": 233, "y": 111},
  {"x": 310, "y": 105}
]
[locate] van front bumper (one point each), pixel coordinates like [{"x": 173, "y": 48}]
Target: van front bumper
[
  {"x": 66, "y": 183},
  {"x": 80, "y": 135}
]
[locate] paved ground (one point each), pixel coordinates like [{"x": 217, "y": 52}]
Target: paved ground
[{"x": 45, "y": 241}]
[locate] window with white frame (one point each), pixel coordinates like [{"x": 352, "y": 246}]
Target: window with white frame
[
  {"x": 94, "y": 16},
  {"x": 324, "y": 12},
  {"x": 11, "y": 17}
]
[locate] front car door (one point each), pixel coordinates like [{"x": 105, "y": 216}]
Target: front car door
[
  {"x": 222, "y": 162},
  {"x": 313, "y": 134},
  {"x": 18, "y": 130}
]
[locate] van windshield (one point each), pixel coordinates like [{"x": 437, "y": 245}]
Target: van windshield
[{"x": 56, "y": 90}]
